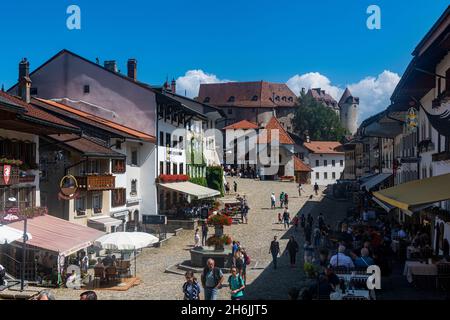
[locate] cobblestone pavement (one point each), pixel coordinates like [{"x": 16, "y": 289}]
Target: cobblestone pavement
[{"x": 262, "y": 282}]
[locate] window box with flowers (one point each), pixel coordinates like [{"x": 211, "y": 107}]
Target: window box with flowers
[{"x": 168, "y": 178}]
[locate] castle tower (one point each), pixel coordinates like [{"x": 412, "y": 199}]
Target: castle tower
[{"x": 349, "y": 111}]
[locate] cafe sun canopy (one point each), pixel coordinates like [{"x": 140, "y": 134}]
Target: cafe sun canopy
[
  {"x": 58, "y": 235},
  {"x": 417, "y": 194},
  {"x": 192, "y": 189}
]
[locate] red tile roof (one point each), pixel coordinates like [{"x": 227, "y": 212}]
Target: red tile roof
[
  {"x": 86, "y": 146},
  {"x": 299, "y": 165},
  {"x": 34, "y": 112},
  {"x": 323, "y": 147},
  {"x": 108, "y": 123},
  {"x": 320, "y": 95},
  {"x": 274, "y": 126},
  {"x": 247, "y": 94},
  {"x": 244, "y": 124}
]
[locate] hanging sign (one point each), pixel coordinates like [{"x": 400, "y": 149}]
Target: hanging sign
[
  {"x": 412, "y": 120},
  {"x": 7, "y": 173},
  {"x": 68, "y": 188}
]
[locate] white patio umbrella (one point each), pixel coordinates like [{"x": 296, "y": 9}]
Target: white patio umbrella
[
  {"x": 8, "y": 234},
  {"x": 125, "y": 240}
]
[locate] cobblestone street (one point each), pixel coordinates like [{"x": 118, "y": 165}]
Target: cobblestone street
[{"x": 263, "y": 281}]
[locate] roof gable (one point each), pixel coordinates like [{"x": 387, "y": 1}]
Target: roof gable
[
  {"x": 274, "y": 126},
  {"x": 323, "y": 147},
  {"x": 244, "y": 124}
]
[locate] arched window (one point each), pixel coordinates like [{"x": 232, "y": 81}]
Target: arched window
[
  {"x": 231, "y": 99},
  {"x": 206, "y": 100},
  {"x": 283, "y": 98}
]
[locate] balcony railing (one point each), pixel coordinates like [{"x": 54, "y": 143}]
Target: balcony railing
[
  {"x": 441, "y": 156},
  {"x": 96, "y": 182}
]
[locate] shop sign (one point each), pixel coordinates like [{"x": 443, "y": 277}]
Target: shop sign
[
  {"x": 7, "y": 173},
  {"x": 68, "y": 187}
]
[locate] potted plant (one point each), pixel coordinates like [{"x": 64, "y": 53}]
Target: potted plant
[{"x": 310, "y": 269}]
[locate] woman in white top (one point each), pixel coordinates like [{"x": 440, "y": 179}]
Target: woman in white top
[{"x": 197, "y": 238}]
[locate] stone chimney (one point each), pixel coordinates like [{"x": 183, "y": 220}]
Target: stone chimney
[
  {"x": 173, "y": 86},
  {"x": 24, "y": 80},
  {"x": 132, "y": 69},
  {"x": 111, "y": 65}
]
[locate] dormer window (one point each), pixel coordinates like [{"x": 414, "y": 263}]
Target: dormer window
[
  {"x": 284, "y": 98},
  {"x": 255, "y": 98},
  {"x": 231, "y": 99},
  {"x": 277, "y": 98},
  {"x": 86, "y": 89},
  {"x": 206, "y": 100},
  {"x": 290, "y": 99}
]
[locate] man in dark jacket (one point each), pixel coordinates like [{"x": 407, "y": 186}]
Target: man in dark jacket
[
  {"x": 212, "y": 278},
  {"x": 292, "y": 249},
  {"x": 274, "y": 250}
]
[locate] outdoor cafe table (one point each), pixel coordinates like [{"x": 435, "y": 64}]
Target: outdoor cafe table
[
  {"x": 357, "y": 293},
  {"x": 419, "y": 269}
]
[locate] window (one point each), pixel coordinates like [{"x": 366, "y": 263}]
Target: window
[
  {"x": 255, "y": 98},
  {"x": 325, "y": 163},
  {"x": 230, "y": 111},
  {"x": 80, "y": 206},
  {"x": 291, "y": 99},
  {"x": 325, "y": 175},
  {"x": 161, "y": 167},
  {"x": 181, "y": 169},
  {"x": 333, "y": 163},
  {"x": 231, "y": 99},
  {"x": 167, "y": 167},
  {"x": 317, "y": 175},
  {"x": 94, "y": 166},
  {"x": 175, "y": 168},
  {"x": 317, "y": 163},
  {"x": 283, "y": 98},
  {"x": 168, "y": 140},
  {"x": 333, "y": 175},
  {"x": 97, "y": 199},
  {"x": 118, "y": 197},
  {"x": 134, "y": 157},
  {"x": 118, "y": 144},
  {"x": 133, "y": 191},
  {"x": 180, "y": 143},
  {"x": 86, "y": 89},
  {"x": 277, "y": 98},
  {"x": 161, "y": 139},
  {"x": 118, "y": 166},
  {"x": 341, "y": 163},
  {"x": 33, "y": 91},
  {"x": 206, "y": 100}
]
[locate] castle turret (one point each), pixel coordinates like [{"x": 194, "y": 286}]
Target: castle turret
[{"x": 349, "y": 111}]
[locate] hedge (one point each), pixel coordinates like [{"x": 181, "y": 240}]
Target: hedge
[{"x": 214, "y": 178}]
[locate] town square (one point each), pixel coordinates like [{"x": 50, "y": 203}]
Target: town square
[{"x": 138, "y": 165}]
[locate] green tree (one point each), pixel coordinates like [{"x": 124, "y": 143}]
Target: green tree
[{"x": 320, "y": 121}]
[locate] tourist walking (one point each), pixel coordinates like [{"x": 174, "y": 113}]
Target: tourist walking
[
  {"x": 272, "y": 200},
  {"x": 321, "y": 221},
  {"x": 317, "y": 238},
  {"x": 246, "y": 263},
  {"x": 295, "y": 221},
  {"x": 286, "y": 199},
  {"x": 227, "y": 187},
  {"x": 308, "y": 254},
  {"x": 308, "y": 231},
  {"x": 235, "y": 186},
  {"x": 286, "y": 218},
  {"x": 196, "y": 238},
  {"x": 212, "y": 278},
  {"x": 310, "y": 220},
  {"x": 282, "y": 199},
  {"x": 316, "y": 188},
  {"x": 191, "y": 288},
  {"x": 302, "y": 220},
  {"x": 274, "y": 251},
  {"x": 239, "y": 261},
  {"x": 204, "y": 233},
  {"x": 292, "y": 249},
  {"x": 237, "y": 284}
]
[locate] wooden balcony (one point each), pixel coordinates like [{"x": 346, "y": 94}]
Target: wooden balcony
[
  {"x": 441, "y": 156},
  {"x": 13, "y": 178},
  {"x": 96, "y": 182}
]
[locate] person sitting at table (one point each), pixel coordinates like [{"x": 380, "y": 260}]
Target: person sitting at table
[
  {"x": 107, "y": 261},
  {"x": 322, "y": 288},
  {"x": 99, "y": 264},
  {"x": 332, "y": 278},
  {"x": 365, "y": 260},
  {"x": 341, "y": 259}
]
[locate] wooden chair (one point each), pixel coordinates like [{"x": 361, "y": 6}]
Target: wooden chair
[
  {"x": 99, "y": 275},
  {"x": 111, "y": 273}
]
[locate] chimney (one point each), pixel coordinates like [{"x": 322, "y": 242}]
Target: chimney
[
  {"x": 111, "y": 65},
  {"x": 173, "y": 86},
  {"x": 24, "y": 80},
  {"x": 132, "y": 69}
]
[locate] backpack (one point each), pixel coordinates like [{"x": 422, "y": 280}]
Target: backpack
[{"x": 247, "y": 259}]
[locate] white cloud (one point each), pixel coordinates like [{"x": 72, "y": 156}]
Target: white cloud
[
  {"x": 373, "y": 92},
  {"x": 313, "y": 80},
  {"x": 190, "y": 82}
]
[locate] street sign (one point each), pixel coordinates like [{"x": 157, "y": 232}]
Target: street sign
[{"x": 154, "y": 219}]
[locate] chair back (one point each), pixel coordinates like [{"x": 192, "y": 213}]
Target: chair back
[{"x": 111, "y": 270}]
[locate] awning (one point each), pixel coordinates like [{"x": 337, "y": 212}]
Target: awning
[
  {"x": 373, "y": 181},
  {"x": 192, "y": 189},
  {"x": 58, "y": 235},
  {"x": 120, "y": 213},
  {"x": 105, "y": 221},
  {"x": 8, "y": 235},
  {"x": 417, "y": 194},
  {"x": 386, "y": 206}
]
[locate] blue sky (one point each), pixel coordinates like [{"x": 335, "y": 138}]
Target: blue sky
[{"x": 239, "y": 40}]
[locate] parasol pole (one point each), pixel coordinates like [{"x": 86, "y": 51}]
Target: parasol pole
[{"x": 135, "y": 273}]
